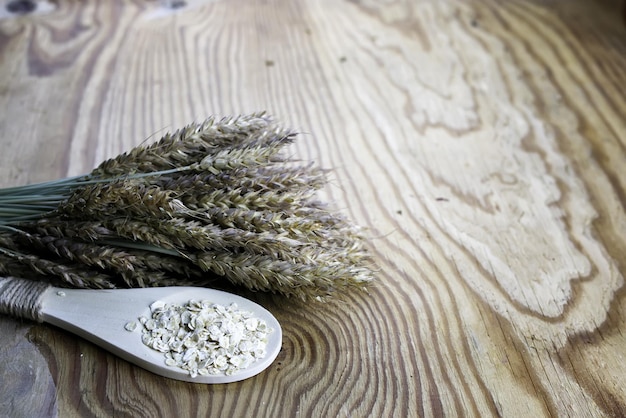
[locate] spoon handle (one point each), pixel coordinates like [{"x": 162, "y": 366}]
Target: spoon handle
[{"x": 21, "y": 298}]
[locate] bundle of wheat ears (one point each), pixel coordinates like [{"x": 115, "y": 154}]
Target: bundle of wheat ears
[{"x": 212, "y": 201}]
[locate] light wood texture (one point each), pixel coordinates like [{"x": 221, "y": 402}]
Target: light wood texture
[{"x": 481, "y": 142}]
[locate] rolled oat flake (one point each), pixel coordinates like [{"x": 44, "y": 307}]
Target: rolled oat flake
[{"x": 204, "y": 338}]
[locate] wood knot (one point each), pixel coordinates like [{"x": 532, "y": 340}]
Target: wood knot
[
  {"x": 175, "y": 4},
  {"x": 21, "y": 6}
]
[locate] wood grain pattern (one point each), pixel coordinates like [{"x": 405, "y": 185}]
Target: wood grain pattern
[{"x": 482, "y": 143}]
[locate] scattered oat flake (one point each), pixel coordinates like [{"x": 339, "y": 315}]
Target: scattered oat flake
[
  {"x": 204, "y": 338},
  {"x": 130, "y": 326}
]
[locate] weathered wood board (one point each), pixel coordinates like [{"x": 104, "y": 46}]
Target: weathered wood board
[{"x": 482, "y": 143}]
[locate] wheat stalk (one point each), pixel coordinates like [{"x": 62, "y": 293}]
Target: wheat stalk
[{"x": 216, "y": 198}]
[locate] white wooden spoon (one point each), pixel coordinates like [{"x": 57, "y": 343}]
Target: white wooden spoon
[{"x": 100, "y": 316}]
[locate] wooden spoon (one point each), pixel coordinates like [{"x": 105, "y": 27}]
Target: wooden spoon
[{"x": 100, "y": 316}]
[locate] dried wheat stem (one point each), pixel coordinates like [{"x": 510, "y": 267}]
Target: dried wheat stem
[
  {"x": 296, "y": 279},
  {"x": 128, "y": 197},
  {"x": 71, "y": 274},
  {"x": 186, "y": 146},
  {"x": 217, "y": 196}
]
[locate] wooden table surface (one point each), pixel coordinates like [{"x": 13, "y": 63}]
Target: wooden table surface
[{"x": 482, "y": 143}]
